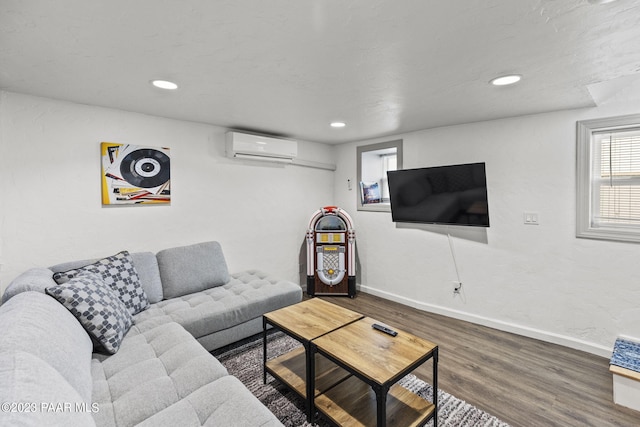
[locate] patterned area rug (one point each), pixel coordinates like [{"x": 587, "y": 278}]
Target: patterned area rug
[{"x": 244, "y": 360}]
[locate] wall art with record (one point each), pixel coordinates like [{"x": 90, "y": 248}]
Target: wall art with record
[{"x": 135, "y": 174}]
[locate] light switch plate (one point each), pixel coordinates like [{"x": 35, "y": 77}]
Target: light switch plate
[{"x": 531, "y": 218}]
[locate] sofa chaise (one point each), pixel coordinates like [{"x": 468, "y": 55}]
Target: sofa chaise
[{"x": 146, "y": 361}]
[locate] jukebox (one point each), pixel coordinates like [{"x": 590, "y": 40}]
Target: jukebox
[{"x": 331, "y": 267}]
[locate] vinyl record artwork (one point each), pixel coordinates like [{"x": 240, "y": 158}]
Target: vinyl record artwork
[{"x": 135, "y": 174}]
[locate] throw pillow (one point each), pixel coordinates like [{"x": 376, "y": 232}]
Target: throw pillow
[
  {"x": 97, "y": 308},
  {"x": 118, "y": 272}
]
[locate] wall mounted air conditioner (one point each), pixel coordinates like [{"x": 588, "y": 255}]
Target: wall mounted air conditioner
[{"x": 256, "y": 147}]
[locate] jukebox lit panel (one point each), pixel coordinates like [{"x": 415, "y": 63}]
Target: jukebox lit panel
[
  {"x": 330, "y": 257},
  {"x": 329, "y": 237}
]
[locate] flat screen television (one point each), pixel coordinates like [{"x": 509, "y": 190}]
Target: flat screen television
[{"x": 454, "y": 195}]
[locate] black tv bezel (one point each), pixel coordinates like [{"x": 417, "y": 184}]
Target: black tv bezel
[{"x": 433, "y": 222}]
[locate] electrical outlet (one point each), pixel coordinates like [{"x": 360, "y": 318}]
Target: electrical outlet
[{"x": 456, "y": 287}]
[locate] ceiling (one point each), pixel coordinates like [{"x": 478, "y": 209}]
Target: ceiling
[{"x": 290, "y": 67}]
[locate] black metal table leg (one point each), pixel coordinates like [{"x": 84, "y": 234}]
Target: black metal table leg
[
  {"x": 264, "y": 350},
  {"x": 381, "y": 401},
  {"x": 435, "y": 387},
  {"x": 310, "y": 350}
]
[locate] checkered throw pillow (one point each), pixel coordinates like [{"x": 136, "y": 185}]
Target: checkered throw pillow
[
  {"x": 97, "y": 308},
  {"x": 118, "y": 272}
]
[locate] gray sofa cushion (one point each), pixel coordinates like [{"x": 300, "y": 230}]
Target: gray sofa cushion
[
  {"x": 188, "y": 269},
  {"x": 34, "y": 279},
  {"x": 248, "y": 295},
  {"x": 35, "y": 323},
  {"x": 147, "y": 267},
  {"x": 52, "y": 401},
  {"x": 120, "y": 274},
  {"x": 156, "y": 366},
  {"x": 235, "y": 406},
  {"x": 96, "y": 306}
]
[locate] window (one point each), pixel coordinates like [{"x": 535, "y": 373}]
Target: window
[
  {"x": 373, "y": 163},
  {"x": 608, "y": 204}
]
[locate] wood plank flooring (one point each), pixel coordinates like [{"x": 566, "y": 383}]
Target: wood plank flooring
[{"x": 523, "y": 381}]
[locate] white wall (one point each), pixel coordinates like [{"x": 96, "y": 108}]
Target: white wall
[
  {"x": 535, "y": 280},
  {"x": 51, "y": 209},
  {"x": 539, "y": 281}
]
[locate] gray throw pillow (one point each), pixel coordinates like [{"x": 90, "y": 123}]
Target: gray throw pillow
[
  {"x": 120, "y": 274},
  {"x": 97, "y": 308}
]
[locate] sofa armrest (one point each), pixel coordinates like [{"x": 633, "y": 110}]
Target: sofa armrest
[{"x": 34, "y": 279}]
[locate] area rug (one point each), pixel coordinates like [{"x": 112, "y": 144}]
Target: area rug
[{"x": 244, "y": 360}]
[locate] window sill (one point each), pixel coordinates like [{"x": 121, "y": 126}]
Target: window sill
[
  {"x": 611, "y": 234},
  {"x": 375, "y": 207}
]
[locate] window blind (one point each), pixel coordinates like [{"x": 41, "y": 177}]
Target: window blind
[
  {"x": 389, "y": 163},
  {"x": 616, "y": 175}
]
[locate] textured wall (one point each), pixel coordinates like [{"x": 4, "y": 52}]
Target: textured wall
[
  {"x": 539, "y": 280},
  {"x": 536, "y": 280},
  {"x": 51, "y": 210}
]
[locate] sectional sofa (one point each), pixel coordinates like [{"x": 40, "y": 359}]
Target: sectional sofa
[{"x": 125, "y": 340}]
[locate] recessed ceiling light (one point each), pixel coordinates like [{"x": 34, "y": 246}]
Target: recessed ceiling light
[
  {"x": 338, "y": 124},
  {"x": 601, "y": 1},
  {"x": 506, "y": 80},
  {"x": 164, "y": 84}
]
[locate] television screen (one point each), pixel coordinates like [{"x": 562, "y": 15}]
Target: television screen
[{"x": 454, "y": 194}]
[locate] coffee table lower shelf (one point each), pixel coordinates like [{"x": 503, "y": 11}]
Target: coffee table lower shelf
[
  {"x": 353, "y": 403},
  {"x": 290, "y": 369},
  {"x": 345, "y": 399}
]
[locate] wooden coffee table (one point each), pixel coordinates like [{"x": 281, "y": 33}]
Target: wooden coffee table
[
  {"x": 377, "y": 361},
  {"x": 304, "y": 322}
]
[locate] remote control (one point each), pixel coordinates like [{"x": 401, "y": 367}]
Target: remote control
[{"x": 384, "y": 329}]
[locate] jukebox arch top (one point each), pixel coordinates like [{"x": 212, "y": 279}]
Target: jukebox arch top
[
  {"x": 331, "y": 253},
  {"x": 328, "y": 223}
]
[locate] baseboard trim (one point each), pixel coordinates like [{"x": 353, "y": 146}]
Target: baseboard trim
[{"x": 538, "y": 334}]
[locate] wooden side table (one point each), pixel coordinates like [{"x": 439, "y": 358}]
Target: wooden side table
[
  {"x": 304, "y": 322},
  {"x": 377, "y": 361}
]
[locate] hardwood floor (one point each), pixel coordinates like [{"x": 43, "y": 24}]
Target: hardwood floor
[{"x": 522, "y": 381}]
